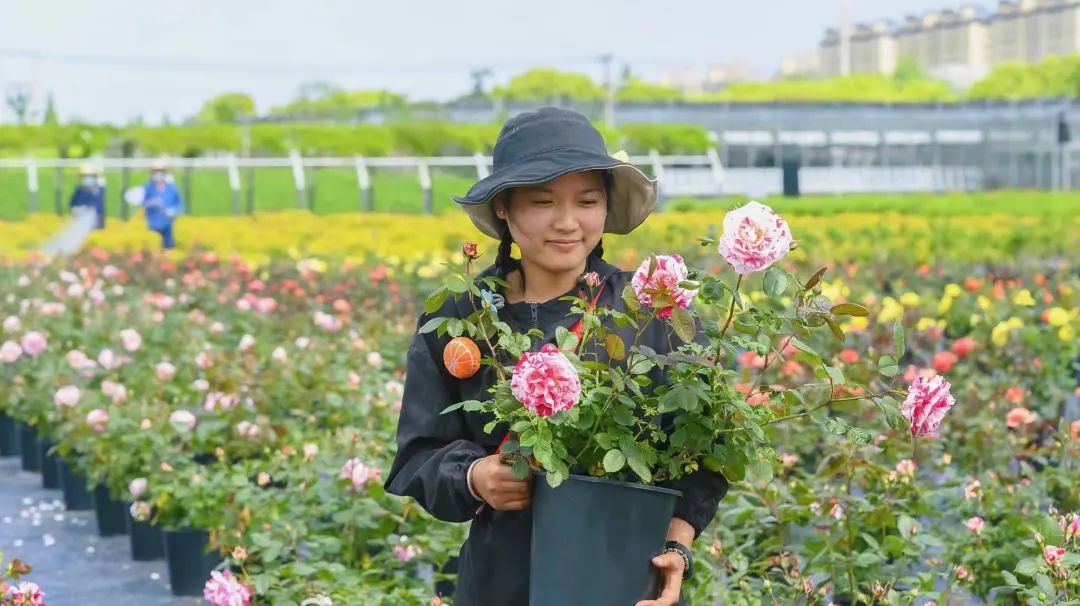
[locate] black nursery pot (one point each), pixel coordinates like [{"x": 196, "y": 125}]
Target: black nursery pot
[
  {"x": 30, "y": 459},
  {"x": 50, "y": 473},
  {"x": 147, "y": 541},
  {"x": 111, "y": 513},
  {"x": 73, "y": 484},
  {"x": 593, "y": 541},
  {"x": 10, "y": 436},
  {"x": 187, "y": 560}
]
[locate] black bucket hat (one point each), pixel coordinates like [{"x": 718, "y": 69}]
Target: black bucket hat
[{"x": 537, "y": 147}]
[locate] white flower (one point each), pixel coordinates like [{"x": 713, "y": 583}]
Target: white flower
[
  {"x": 280, "y": 355},
  {"x": 164, "y": 371},
  {"x": 217, "y": 327},
  {"x": 107, "y": 359},
  {"x": 182, "y": 419},
  {"x": 200, "y": 384},
  {"x": 310, "y": 450},
  {"x": 10, "y": 352},
  {"x": 374, "y": 359},
  {"x": 203, "y": 360},
  {"x": 319, "y": 600},
  {"x": 137, "y": 487},
  {"x": 97, "y": 419},
  {"x": 302, "y": 342},
  {"x": 12, "y": 324},
  {"x": 130, "y": 339},
  {"x": 67, "y": 396},
  {"x": 246, "y": 342}
]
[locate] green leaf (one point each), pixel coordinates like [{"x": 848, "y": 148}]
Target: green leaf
[
  {"x": 623, "y": 416},
  {"x": 640, "y": 469},
  {"x": 804, "y": 347},
  {"x": 520, "y": 426},
  {"x": 614, "y": 460},
  {"x": 1010, "y": 578},
  {"x": 454, "y": 327},
  {"x": 1027, "y": 567},
  {"x": 629, "y": 297},
  {"x": 436, "y": 300},
  {"x": 775, "y": 282},
  {"x": 898, "y": 340},
  {"x": 521, "y": 468},
  {"x": 457, "y": 284},
  {"x": 544, "y": 455},
  {"x": 510, "y": 447},
  {"x": 432, "y": 324},
  {"x": 907, "y": 526},
  {"x": 1045, "y": 585},
  {"x": 835, "y": 328},
  {"x": 850, "y": 309},
  {"x": 835, "y": 374},
  {"x": 615, "y": 347},
  {"x": 814, "y": 279},
  {"x": 683, "y": 323},
  {"x": 452, "y": 408}
]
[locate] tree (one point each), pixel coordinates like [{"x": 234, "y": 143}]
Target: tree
[
  {"x": 909, "y": 70},
  {"x": 228, "y": 108},
  {"x": 636, "y": 89},
  {"x": 550, "y": 84},
  {"x": 50, "y": 112},
  {"x": 325, "y": 100}
]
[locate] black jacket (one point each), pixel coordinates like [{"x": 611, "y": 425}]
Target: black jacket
[{"x": 435, "y": 450}]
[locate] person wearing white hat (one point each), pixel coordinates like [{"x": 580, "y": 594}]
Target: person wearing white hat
[
  {"x": 162, "y": 204},
  {"x": 90, "y": 193}
]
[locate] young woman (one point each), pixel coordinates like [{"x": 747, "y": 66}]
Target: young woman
[{"x": 554, "y": 192}]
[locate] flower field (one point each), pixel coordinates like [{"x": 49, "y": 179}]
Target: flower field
[{"x": 249, "y": 385}]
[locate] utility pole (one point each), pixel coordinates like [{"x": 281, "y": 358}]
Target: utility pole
[
  {"x": 609, "y": 90},
  {"x": 478, "y": 77}
]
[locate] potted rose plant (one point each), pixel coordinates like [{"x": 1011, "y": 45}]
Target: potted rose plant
[{"x": 607, "y": 421}]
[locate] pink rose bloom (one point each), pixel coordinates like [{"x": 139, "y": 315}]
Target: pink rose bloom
[
  {"x": 758, "y": 398},
  {"x": 203, "y": 360},
  {"x": 10, "y": 352},
  {"x": 1020, "y": 416},
  {"x": 906, "y": 467},
  {"x": 358, "y": 473},
  {"x": 374, "y": 359},
  {"x": 116, "y": 391},
  {"x": 25, "y": 594},
  {"x": 1053, "y": 555},
  {"x": 404, "y": 552},
  {"x": 545, "y": 382},
  {"x": 1014, "y": 394},
  {"x": 266, "y": 305},
  {"x": 1070, "y": 525},
  {"x": 964, "y": 346},
  {"x": 943, "y": 361},
  {"x": 750, "y": 359},
  {"x": 962, "y": 573},
  {"x": 130, "y": 340},
  {"x": 662, "y": 286},
  {"x": 97, "y": 419},
  {"x": 137, "y": 487},
  {"x": 754, "y": 238},
  {"x": 926, "y": 404},
  {"x": 849, "y": 356},
  {"x": 33, "y": 343},
  {"x": 12, "y": 324},
  {"x": 975, "y": 524},
  {"x": 223, "y": 589},
  {"x": 164, "y": 371},
  {"x": 107, "y": 359},
  {"x": 67, "y": 396}
]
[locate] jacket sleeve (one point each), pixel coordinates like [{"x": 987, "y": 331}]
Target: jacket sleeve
[
  {"x": 702, "y": 490},
  {"x": 434, "y": 450}
]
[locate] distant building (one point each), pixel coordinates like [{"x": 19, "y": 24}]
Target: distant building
[
  {"x": 957, "y": 45},
  {"x": 1031, "y": 30},
  {"x": 801, "y": 66},
  {"x": 715, "y": 78}
]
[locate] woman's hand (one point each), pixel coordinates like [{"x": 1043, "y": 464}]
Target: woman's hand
[
  {"x": 499, "y": 487},
  {"x": 671, "y": 567}
]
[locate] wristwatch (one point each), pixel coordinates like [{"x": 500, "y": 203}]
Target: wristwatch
[{"x": 687, "y": 556}]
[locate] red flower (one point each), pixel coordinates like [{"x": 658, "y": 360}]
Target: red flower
[
  {"x": 926, "y": 404},
  {"x": 943, "y": 361},
  {"x": 470, "y": 250},
  {"x": 849, "y": 356},
  {"x": 964, "y": 346}
]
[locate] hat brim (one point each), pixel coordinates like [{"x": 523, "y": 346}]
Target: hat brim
[{"x": 632, "y": 197}]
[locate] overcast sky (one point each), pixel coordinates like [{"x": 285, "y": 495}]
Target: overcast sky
[{"x": 112, "y": 60}]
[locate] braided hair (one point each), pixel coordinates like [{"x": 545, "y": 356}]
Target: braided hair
[{"x": 505, "y": 264}]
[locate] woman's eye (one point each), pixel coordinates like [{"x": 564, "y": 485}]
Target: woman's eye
[
  {"x": 590, "y": 201},
  {"x": 542, "y": 202}
]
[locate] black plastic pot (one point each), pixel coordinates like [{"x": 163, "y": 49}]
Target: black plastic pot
[
  {"x": 147, "y": 542},
  {"x": 73, "y": 484},
  {"x": 50, "y": 474},
  {"x": 593, "y": 541},
  {"x": 10, "y": 437},
  {"x": 30, "y": 459},
  {"x": 187, "y": 560},
  {"x": 111, "y": 514}
]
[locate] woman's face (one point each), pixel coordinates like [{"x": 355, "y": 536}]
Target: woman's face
[{"x": 557, "y": 224}]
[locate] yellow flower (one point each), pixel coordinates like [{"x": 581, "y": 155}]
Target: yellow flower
[
  {"x": 952, "y": 290},
  {"x": 1057, "y": 316},
  {"x": 984, "y": 302},
  {"x": 1015, "y": 322},
  {"x": 1067, "y": 333},
  {"x": 859, "y": 323},
  {"x": 835, "y": 290},
  {"x": 1000, "y": 333},
  {"x": 975, "y": 319},
  {"x": 926, "y": 324},
  {"x": 1023, "y": 298},
  {"x": 909, "y": 299},
  {"x": 890, "y": 310},
  {"x": 757, "y": 296},
  {"x": 945, "y": 304}
]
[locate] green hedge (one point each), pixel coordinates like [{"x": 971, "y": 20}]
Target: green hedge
[{"x": 406, "y": 138}]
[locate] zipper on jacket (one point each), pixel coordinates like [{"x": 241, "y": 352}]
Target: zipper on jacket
[{"x": 535, "y": 321}]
